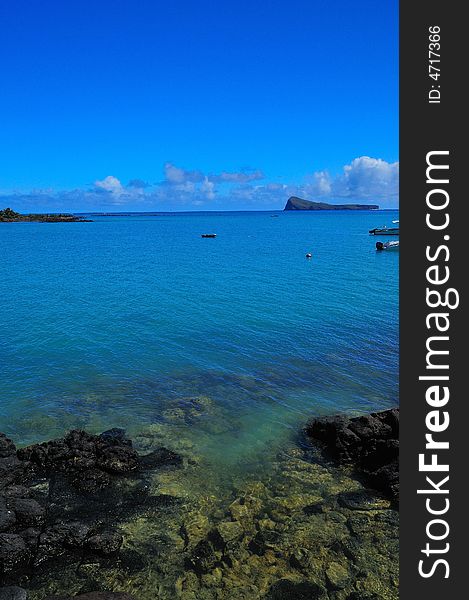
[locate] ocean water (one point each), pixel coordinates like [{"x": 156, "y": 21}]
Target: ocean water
[{"x": 121, "y": 321}]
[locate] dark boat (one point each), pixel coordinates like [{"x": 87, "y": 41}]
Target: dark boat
[
  {"x": 209, "y": 235},
  {"x": 384, "y": 230}
]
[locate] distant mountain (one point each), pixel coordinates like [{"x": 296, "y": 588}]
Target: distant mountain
[{"x": 294, "y": 203}]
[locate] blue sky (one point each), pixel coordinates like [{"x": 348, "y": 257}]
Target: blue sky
[{"x": 186, "y": 105}]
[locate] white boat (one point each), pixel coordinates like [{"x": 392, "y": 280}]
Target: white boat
[{"x": 391, "y": 245}]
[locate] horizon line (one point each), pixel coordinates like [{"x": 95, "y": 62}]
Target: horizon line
[{"x": 280, "y": 210}]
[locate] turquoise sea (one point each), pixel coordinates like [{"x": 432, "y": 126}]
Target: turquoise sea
[{"x": 120, "y": 321}]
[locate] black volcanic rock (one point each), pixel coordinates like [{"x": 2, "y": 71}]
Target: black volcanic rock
[
  {"x": 7, "y": 447},
  {"x": 27, "y": 511},
  {"x": 295, "y": 203},
  {"x": 14, "y": 553},
  {"x": 108, "y": 542},
  {"x": 284, "y": 589},
  {"x": 13, "y": 593},
  {"x": 81, "y": 452},
  {"x": 95, "y": 596},
  {"x": 63, "y": 499},
  {"x": 369, "y": 442}
]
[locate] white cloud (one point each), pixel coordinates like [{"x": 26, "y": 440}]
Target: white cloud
[
  {"x": 322, "y": 181},
  {"x": 109, "y": 184},
  {"x": 367, "y": 177},
  {"x": 364, "y": 179},
  {"x": 237, "y": 177},
  {"x": 176, "y": 175},
  {"x": 195, "y": 187},
  {"x": 208, "y": 189}
]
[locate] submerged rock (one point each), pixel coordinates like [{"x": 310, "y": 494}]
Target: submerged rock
[
  {"x": 337, "y": 576},
  {"x": 369, "y": 442},
  {"x": 105, "y": 543},
  {"x": 204, "y": 557},
  {"x": 301, "y": 559},
  {"x": 94, "y": 596},
  {"x": 228, "y": 531},
  {"x": 263, "y": 541},
  {"x": 285, "y": 589},
  {"x": 362, "y": 500},
  {"x": 194, "y": 529},
  {"x": 363, "y": 596},
  {"x": 160, "y": 457}
]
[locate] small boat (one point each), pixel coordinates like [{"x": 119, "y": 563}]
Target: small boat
[
  {"x": 209, "y": 235},
  {"x": 384, "y": 230},
  {"x": 391, "y": 245}
]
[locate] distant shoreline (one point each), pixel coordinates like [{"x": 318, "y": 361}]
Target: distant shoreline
[
  {"x": 8, "y": 215},
  {"x": 80, "y": 216},
  {"x": 213, "y": 211}
]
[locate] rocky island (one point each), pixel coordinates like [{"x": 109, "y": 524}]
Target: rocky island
[
  {"x": 7, "y": 215},
  {"x": 295, "y": 203}
]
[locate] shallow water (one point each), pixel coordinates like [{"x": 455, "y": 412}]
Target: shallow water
[{"x": 291, "y": 526}]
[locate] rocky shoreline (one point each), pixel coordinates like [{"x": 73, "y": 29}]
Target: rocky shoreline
[
  {"x": 62, "y": 499},
  {"x": 90, "y": 517},
  {"x": 7, "y": 215},
  {"x": 369, "y": 442}
]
